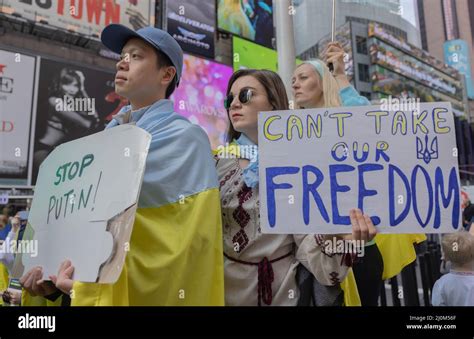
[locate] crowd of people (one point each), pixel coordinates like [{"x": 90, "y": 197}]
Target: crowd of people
[{"x": 197, "y": 238}]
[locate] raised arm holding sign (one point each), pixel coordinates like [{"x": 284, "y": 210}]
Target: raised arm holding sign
[
  {"x": 404, "y": 164},
  {"x": 261, "y": 269},
  {"x": 314, "y": 86}
]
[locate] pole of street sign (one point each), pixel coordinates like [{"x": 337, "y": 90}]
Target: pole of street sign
[{"x": 285, "y": 42}]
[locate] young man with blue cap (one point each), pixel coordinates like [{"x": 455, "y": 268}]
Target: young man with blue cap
[{"x": 175, "y": 255}]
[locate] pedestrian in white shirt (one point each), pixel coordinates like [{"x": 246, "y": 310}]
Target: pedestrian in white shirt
[{"x": 457, "y": 287}]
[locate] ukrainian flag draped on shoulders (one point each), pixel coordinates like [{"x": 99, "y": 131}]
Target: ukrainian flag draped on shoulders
[{"x": 175, "y": 255}]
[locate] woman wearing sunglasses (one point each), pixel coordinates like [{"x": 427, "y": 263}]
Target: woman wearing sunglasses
[
  {"x": 314, "y": 87},
  {"x": 260, "y": 268}
]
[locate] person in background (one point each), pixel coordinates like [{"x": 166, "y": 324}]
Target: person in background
[
  {"x": 467, "y": 211},
  {"x": 456, "y": 288},
  {"x": 5, "y": 222},
  {"x": 4, "y": 276},
  {"x": 314, "y": 86},
  {"x": 7, "y": 257}
]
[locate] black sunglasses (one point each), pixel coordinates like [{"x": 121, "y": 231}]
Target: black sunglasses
[{"x": 244, "y": 97}]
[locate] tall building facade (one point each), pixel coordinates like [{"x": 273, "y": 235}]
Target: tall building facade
[
  {"x": 316, "y": 14},
  {"x": 442, "y": 20}
]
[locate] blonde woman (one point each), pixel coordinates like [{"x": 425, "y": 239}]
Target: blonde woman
[{"x": 314, "y": 86}]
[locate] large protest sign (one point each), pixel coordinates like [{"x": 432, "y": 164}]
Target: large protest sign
[
  {"x": 84, "y": 204},
  {"x": 399, "y": 167}
]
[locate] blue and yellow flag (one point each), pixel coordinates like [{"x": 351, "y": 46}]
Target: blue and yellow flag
[
  {"x": 397, "y": 251},
  {"x": 175, "y": 255},
  {"x": 3, "y": 277}
]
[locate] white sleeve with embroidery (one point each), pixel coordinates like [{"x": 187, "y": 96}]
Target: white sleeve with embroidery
[{"x": 328, "y": 268}]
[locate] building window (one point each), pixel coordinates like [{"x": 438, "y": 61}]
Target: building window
[
  {"x": 451, "y": 28},
  {"x": 421, "y": 17},
  {"x": 471, "y": 16},
  {"x": 361, "y": 45},
  {"x": 363, "y": 72}
]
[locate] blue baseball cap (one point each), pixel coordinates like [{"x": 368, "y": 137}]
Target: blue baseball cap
[
  {"x": 23, "y": 215},
  {"x": 115, "y": 36}
]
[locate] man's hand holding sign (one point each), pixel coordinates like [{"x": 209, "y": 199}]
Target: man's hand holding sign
[
  {"x": 398, "y": 166},
  {"x": 83, "y": 210}
]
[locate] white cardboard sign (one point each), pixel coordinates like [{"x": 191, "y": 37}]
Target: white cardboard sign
[
  {"x": 84, "y": 204},
  {"x": 399, "y": 167}
]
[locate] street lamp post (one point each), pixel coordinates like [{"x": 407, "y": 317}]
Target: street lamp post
[{"x": 285, "y": 41}]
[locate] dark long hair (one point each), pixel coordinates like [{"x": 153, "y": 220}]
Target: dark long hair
[
  {"x": 65, "y": 77},
  {"x": 274, "y": 88}
]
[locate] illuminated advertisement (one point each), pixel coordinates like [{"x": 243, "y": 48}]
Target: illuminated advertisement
[
  {"x": 400, "y": 69},
  {"x": 456, "y": 55},
  {"x": 249, "y": 55},
  {"x": 84, "y": 17},
  {"x": 249, "y": 19},
  {"x": 200, "y": 96},
  {"x": 385, "y": 55},
  {"x": 191, "y": 23},
  {"x": 17, "y": 79},
  {"x": 375, "y": 30},
  {"x": 73, "y": 102}
]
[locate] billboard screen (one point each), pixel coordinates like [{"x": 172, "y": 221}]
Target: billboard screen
[
  {"x": 249, "y": 55},
  {"x": 84, "y": 17},
  {"x": 249, "y": 19},
  {"x": 389, "y": 57},
  {"x": 200, "y": 96},
  {"x": 400, "y": 69},
  {"x": 73, "y": 101},
  {"x": 17, "y": 79},
  {"x": 456, "y": 55},
  {"x": 375, "y": 30},
  {"x": 191, "y": 23}
]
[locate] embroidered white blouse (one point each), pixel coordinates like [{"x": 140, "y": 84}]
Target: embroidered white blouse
[{"x": 250, "y": 255}]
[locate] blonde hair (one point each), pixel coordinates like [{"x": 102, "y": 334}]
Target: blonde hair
[
  {"x": 458, "y": 247},
  {"x": 330, "y": 87}
]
